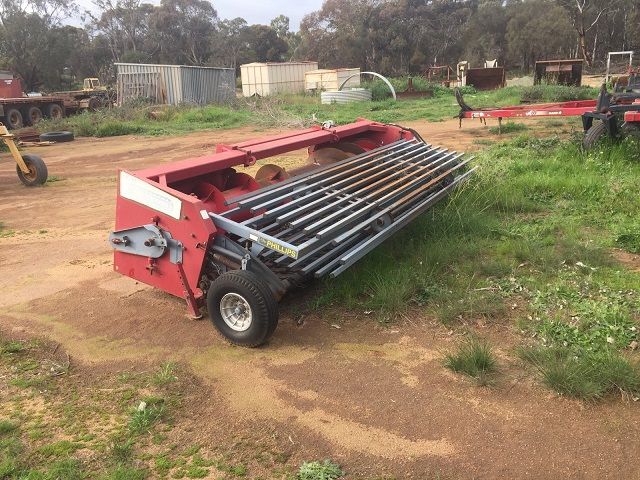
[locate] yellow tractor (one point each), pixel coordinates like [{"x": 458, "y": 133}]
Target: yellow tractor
[
  {"x": 31, "y": 169},
  {"x": 93, "y": 85}
]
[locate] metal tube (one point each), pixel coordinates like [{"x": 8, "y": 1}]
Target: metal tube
[
  {"x": 352, "y": 193},
  {"x": 337, "y": 226},
  {"x": 266, "y": 192},
  {"x": 344, "y": 175},
  {"x": 356, "y": 254},
  {"x": 370, "y": 197}
]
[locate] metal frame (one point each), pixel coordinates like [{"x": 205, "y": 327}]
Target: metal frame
[
  {"x": 627, "y": 52},
  {"x": 316, "y": 222},
  {"x": 9, "y": 140}
]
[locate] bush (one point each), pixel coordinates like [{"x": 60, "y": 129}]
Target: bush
[
  {"x": 473, "y": 358},
  {"x": 326, "y": 470},
  {"x": 582, "y": 375}
]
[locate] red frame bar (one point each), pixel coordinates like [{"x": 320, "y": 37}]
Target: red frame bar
[{"x": 559, "y": 109}]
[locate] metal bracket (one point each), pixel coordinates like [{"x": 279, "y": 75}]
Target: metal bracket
[{"x": 147, "y": 241}]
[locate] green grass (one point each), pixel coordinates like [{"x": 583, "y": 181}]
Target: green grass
[
  {"x": 534, "y": 228},
  {"x": 300, "y": 110},
  {"x": 150, "y": 411},
  {"x": 165, "y": 375},
  {"x": 473, "y": 358},
  {"x": 587, "y": 376},
  {"x": 326, "y": 470},
  {"x": 508, "y": 127}
]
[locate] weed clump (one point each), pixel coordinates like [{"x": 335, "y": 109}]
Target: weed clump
[
  {"x": 473, "y": 358},
  {"x": 587, "y": 376},
  {"x": 326, "y": 470}
]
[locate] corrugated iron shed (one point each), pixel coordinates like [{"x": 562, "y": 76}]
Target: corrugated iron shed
[{"x": 175, "y": 84}]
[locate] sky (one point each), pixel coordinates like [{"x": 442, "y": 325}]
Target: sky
[
  {"x": 253, "y": 11},
  {"x": 263, "y": 11}
]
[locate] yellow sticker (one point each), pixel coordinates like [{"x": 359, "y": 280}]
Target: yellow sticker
[{"x": 289, "y": 252}]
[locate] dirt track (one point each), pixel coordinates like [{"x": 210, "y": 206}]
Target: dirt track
[{"x": 375, "y": 399}]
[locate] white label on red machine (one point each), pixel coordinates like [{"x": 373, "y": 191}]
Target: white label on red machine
[{"x": 140, "y": 191}]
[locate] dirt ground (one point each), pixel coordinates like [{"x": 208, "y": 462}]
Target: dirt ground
[{"x": 375, "y": 399}]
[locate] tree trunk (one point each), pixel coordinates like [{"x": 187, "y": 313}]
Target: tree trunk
[{"x": 583, "y": 48}]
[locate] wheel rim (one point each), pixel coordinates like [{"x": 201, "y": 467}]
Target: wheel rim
[
  {"x": 31, "y": 176},
  {"x": 15, "y": 119},
  {"x": 236, "y": 312},
  {"x": 36, "y": 117}
]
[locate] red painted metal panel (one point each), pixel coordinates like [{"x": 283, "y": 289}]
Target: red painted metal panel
[
  {"x": 632, "y": 116},
  {"x": 202, "y": 184},
  {"x": 10, "y": 88},
  {"x": 560, "y": 109}
]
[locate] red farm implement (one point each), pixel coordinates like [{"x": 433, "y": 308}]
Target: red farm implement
[
  {"x": 600, "y": 117},
  {"x": 203, "y": 230}
]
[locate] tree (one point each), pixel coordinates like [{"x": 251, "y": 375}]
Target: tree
[
  {"x": 32, "y": 46},
  {"x": 263, "y": 44},
  {"x": 183, "y": 30},
  {"x": 584, "y": 16}
]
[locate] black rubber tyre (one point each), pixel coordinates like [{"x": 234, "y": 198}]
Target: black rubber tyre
[
  {"x": 38, "y": 172},
  {"x": 594, "y": 135},
  {"x": 94, "y": 104},
  {"x": 55, "y": 111},
  {"x": 34, "y": 115},
  {"x": 13, "y": 119},
  {"x": 245, "y": 289},
  {"x": 57, "y": 137}
]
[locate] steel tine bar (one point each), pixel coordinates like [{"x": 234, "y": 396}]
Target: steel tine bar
[
  {"x": 299, "y": 221},
  {"x": 247, "y": 199},
  {"x": 346, "y": 164},
  {"x": 357, "y": 253},
  {"x": 349, "y": 188},
  {"x": 319, "y": 170},
  {"x": 268, "y": 216},
  {"x": 336, "y": 261},
  {"x": 332, "y": 188},
  {"x": 421, "y": 189},
  {"x": 365, "y": 223},
  {"x": 344, "y": 224},
  {"x": 347, "y": 175},
  {"x": 373, "y": 204},
  {"x": 330, "y": 255}
]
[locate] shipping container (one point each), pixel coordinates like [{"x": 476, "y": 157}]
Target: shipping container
[
  {"x": 331, "y": 79},
  {"x": 263, "y": 79},
  {"x": 175, "y": 84}
]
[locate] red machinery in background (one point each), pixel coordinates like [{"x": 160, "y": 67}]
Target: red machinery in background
[
  {"x": 609, "y": 111},
  {"x": 203, "y": 230}
]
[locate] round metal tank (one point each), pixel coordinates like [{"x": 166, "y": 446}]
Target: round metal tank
[{"x": 346, "y": 96}]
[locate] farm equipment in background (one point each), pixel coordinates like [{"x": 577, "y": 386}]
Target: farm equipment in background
[
  {"x": 203, "y": 230},
  {"x": 18, "y": 109},
  {"x": 608, "y": 109},
  {"x": 559, "y": 72},
  {"x": 31, "y": 169},
  {"x": 91, "y": 97}
]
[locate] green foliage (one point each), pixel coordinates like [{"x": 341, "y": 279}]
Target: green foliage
[
  {"x": 124, "y": 473},
  {"x": 12, "y": 347},
  {"x": 165, "y": 375},
  {"x": 629, "y": 241},
  {"x": 63, "y": 448},
  {"x": 7, "y": 426},
  {"x": 473, "y": 358},
  {"x": 586, "y": 376},
  {"x": 509, "y": 127},
  {"x": 150, "y": 411},
  {"x": 556, "y": 93},
  {"x": 299, "y": 110},
  {"x": 326, "y": 470}
]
